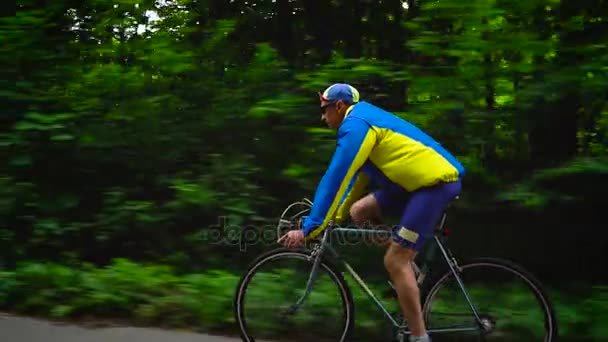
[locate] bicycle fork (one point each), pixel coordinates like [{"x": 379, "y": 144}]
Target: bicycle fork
[{"x": 312, "y": 277}]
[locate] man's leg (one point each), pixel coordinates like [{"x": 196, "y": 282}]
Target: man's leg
[
  {"x": 371, "y": 209},
  {"x": 421, "y": 213},
  {"x": 398, "y": 263},
  {"x": 365, "y": 211}
]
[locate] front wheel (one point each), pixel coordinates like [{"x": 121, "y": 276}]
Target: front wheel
[
  {"x": 511, "y": 305},
  {"x": 267, "y": 303}
]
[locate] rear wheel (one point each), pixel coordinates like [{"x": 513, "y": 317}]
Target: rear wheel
[
  {"x": 510, "y": 303},
  {"x": 274, "y": 282}
]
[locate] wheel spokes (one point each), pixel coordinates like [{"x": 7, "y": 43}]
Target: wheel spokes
[
  {"x": 274, "y": 305},
  {"x": 507, "y": 305}
]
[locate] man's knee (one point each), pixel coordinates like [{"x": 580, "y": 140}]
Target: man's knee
[
  {"x": 364, "y": 210},
  {"x": 357, "y": 211},
  {"x": 398, "y": 257}
]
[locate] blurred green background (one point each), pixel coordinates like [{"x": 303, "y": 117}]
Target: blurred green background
[{"x": 132, "y": 128}]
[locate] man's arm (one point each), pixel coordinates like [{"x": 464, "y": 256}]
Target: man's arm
[
  {"x": 355, "y": 142},
  {"x": 353, "y": 193}
]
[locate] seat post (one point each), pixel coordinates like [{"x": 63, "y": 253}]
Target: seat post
[{"x": 441, "y": 224}]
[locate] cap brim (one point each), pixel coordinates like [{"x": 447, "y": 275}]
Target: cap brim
[{"x": 323, "y": 100}]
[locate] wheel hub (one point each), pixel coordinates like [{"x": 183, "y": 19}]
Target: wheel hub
[{"x": 488, "y": 323}]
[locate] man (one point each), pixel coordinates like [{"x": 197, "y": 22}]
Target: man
[{"x": 417, "y": 177}]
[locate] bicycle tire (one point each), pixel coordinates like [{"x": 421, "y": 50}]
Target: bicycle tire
[
  {"x": 326, "y": 264},
  {"x": 532, "y": 283}
]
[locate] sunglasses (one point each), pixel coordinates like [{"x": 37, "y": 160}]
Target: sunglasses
[{"x": 324, "y": 107}]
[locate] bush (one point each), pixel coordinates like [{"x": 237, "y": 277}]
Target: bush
[
  {"x": 157, "y": 295},
  {"x": 123, "y": 290}
]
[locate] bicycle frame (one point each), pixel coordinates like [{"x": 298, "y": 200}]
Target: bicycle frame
[{"x": 439, "y": 237}]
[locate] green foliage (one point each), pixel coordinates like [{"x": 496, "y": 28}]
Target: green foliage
[
  {"x": 130, "y": 128},
  {"x": 575, "y": 181},
  {"x": 354, "y": 71},
  {"x": 157, "y": 295}
]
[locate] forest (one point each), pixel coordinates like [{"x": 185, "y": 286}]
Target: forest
[{"x": 133, "y": 129}]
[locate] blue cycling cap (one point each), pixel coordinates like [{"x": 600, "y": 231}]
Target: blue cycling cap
[{"x": 339, "y": 91}]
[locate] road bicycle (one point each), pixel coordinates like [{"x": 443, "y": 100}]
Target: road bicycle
[{"x": 485, "y": 299}]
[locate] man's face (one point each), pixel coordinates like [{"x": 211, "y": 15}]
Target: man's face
[{"x": 333, "y": 113}]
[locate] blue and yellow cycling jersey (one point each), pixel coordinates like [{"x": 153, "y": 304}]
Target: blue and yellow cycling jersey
[{"x": 375, "y": 145}]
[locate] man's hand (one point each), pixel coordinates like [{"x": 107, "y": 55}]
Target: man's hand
[{"x": 293, "y": 239}]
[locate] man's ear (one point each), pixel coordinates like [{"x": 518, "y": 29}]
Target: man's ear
[{"x": 342, "y": 104}]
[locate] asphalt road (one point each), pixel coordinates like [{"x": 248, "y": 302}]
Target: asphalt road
[{"x": 23, "y": 329}]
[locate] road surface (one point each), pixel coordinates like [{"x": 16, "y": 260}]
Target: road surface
[{"x": 23, "y": 329}]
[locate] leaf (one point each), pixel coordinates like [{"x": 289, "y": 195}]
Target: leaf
[
  {"x": 87, "y": 139},
  {"x": 281, "y": 105},
  {"x": 296, "y": 171},
  {"x": 198, "y": 193},
  {"x": 28, "y": 126},
  {"x": 60, "y": 311},
  {"x": 320, "y": 131},
  {"x": 62, "y": 137},
  {"x": 23, "y": 160}
]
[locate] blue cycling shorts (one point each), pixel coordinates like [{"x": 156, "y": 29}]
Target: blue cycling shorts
[{"x": 419, "y": 211}]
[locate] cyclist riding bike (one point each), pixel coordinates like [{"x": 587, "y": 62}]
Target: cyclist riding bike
[{"x": 417, "y": 179}]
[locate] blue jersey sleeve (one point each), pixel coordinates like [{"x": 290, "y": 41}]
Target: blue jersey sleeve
[
  {"x": 353, "y": 192},
  {"x": 354, "y": 144}
]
